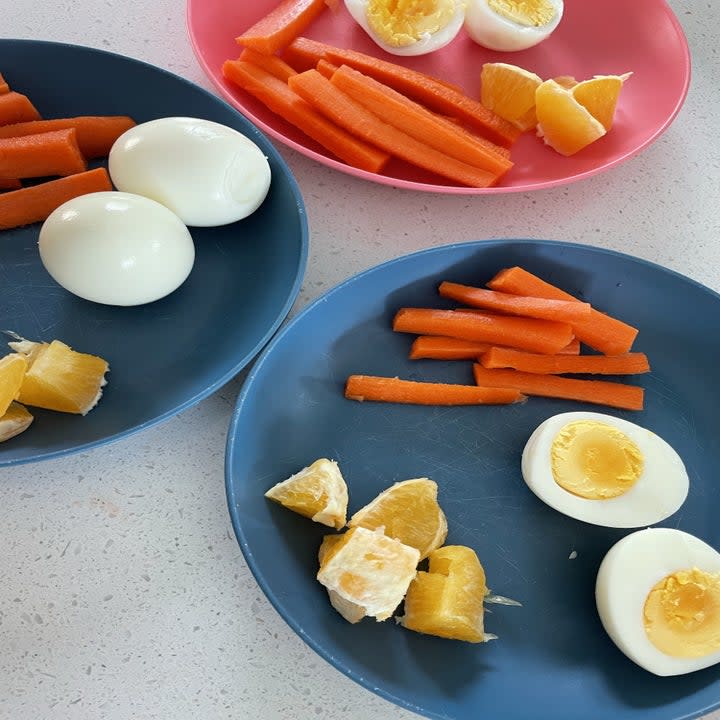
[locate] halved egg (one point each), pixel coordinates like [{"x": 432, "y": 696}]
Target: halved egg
[
  {"x": 509, "y": 25},
  {"x": 409, "y": 27},
  {"x": 658, "y": 597},
  {"x": 604, "y": 470}
]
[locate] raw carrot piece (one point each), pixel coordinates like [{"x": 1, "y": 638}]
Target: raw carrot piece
[
  {"x": 601, "y": 392},
  {"x": 4, "y": 87},
  {"x": 270, "y": 63},
  {"x": 560, "y": 310},
  {"x": 392, "y": 389},
  {"x": 326, "y": 68},
  {"x": 16, "y": 107},
  {"x": 430, "y": 92},
  {"x": 281, "y": 25},
  {"x": 10, "y": 184},
  {"x": 542, "y": 336},
  {"x": 50, "y": 153},
  {"x": 303, "y": 53},
  {"x": 415, "y": 120},
  {"x": 35, "y": 202},
  {"x": 601, "y": 332},
  {"x": 437, "y": 347},
  {"x": 276, "y": 95},
  {"x": 95, "y": 134},
  {"x": 628, "y": 364},
  {"x": 347, "y": 113}
]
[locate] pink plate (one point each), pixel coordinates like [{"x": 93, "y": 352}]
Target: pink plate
[{"x": 601, "y": 38}]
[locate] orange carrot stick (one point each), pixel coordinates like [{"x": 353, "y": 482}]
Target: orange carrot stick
[
  {"x": 628, "y": 364},
  {"x": 270, "y": 63},
  {"x": 35, "y": 202},
  {"x": 50, "y": 153},
  {"x": 601, "y": 392},
  {"x": 15, "y": 108},
  {"x": 10, "y": 184},
  {"x": 415, "y": 120},
  {"x": 560, "y": 310},
  {"x": 277, "y": 96},
  {"x": 542, "y": 336},
  {"x": 437, "y": 347},
  {"x": 326, "y": 68},
  {"x": 4, "y": 87},
  {"x": 95, "y": 134},
  {"x": 392, "y": 389},
  {"x": 281, "y": 25},
  {"x": 601, "y": 332},
  {"x": 347, "y": 113}
]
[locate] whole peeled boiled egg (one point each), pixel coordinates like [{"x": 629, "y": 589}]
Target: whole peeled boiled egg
[
  {"x": 116, "y": 248},
  {"x": 510, "y": 25},
  {"x": 206, "y": 173},
  {"x": 658, "y": 598},
  {"x": 604, "y": 470},
  {"x": 409, "y": 27}
]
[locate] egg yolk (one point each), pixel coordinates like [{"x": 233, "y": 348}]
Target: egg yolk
[
  {"x": 530, "y": 13},
  {"x": 594, "y": 460},
  {"x": 682, "y": 614},
  {"x": 403, "y": 22}
]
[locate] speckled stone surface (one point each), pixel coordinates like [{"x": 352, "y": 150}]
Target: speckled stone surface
[{"x": 123, "y": 593}]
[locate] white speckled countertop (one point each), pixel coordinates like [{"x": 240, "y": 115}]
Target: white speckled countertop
[{"x": 123, "y": 593}]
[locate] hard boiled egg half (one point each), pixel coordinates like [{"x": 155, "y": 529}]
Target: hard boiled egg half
[
  {"x": 604, "y": 470},
  {"x": 409, "y": 27},
  {"x": 658, "y": 597}
]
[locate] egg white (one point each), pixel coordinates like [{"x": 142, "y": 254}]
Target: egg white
[
  {"x": 496, "y": 32},
  {"x": 430, "y": 42},
  {"x": 626, "y": 576},
  {"x": 659, "y": 491}
]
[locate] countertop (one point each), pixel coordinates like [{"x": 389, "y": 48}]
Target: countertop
[{"x": 123, "y": 592}]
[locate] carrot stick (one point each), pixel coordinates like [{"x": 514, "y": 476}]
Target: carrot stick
[
  {"x": 15, "y": 108},
  {"x": 281, "y": 25},
  {"x": 4, "y": 87},
  {"x": 347, "y": 113},
  {"x": 392, "y": 389},
  {"x": 35, "y": 202},
  {"x": 543, "y": 336},
  {"x": 270, "y": 63},
  {"x": 95, "y": 134},
  {"x": 560, "y": 310},
  {"x": 418, "y": 122},
  {"x": 628, "y": 364},
  {"x": 51, "y": 153},
  {"x": 601, "y": 332},
  {"x": 10, "y": 184},
  {"x": 303, "y": 53},
  {"x": 326, "y": 68},
  {"x": 277, "y": 96},
  {"x": 437, "y": 347},
  {"x": 601, "y": 392}
]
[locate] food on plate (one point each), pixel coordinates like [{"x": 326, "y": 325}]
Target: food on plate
[
  {"x": 208, "y": 174},
  {"x": 351, "y": 611},
  {"x": 34, "y": 203},
  {"x": 16, "y": 420},
  {"x": 511, "y": 25},
  {"x": 16, "y": 107},
  {"x": 116, "y": 248},
  {"x": 4, "y": 87},
  {"x": 509, "y": 91},
  {"x": 318, "y": 492},
  {"x": 438, "y": 347},
  {"x": 658, "y": 598},
  {"x": 447, "y": 599},
  {"x": 409, "y": 27},
  {"x": 604, "y": 470},
  {"x": 12, "y": 372},
  {"x": 59, "y": 378},
  {"x": 272, "y": 64},
  {"x": 49, "y": 153},
  {"x": 599, "y": 96},
  {"x": 10, "y": 184}
]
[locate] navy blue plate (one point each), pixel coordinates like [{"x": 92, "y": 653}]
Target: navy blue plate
[
  {"x": 170, "y": 354},
  {"x": 553, "y": 659}
]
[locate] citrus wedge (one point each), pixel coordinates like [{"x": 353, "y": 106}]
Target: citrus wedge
[
  {"x": 509, "y": 91},
  {"x": 15, "y": 420},
  {"x": 12, "y": 372},
  {"x": 599, "y": 96}
]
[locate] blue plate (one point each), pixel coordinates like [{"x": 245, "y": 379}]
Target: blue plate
[
  {"x": 170, "y": 354},
  {"x": 553, "y": 659}
]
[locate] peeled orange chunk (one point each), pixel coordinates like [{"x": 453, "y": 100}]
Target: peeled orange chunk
[
  {"x": 447, "y": 601},
  {"x": 509, "y": 91},
  {"x": 317, "y": 492},
  {"x": 352, "y": 612},
  {"x": 15, "y": 420},
  {"x": 409, "y": 512},
  {"x": 367, "y": 572},
  {"x": 599, "y": 96},
  {"x": 12, "y": 372}
]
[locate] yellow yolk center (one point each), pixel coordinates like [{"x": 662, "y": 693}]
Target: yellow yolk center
[
  {"x": 403, "y": 22},
  {"x": 594, "y": 460},
  {"x": 682, "y": 614},
  {"x": 530, "y": 13}
]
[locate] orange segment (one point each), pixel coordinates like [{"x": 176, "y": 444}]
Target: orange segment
[
  {"x": 447, "y": 601},
  {"x": 509, "y": 91},
  {"x": 15, "y": 420},
  {"x": 599, "y": 96},
  {"x": 409, "y": 512},
  {"x": 12, "y": 372},
  {"x": 317, "y": 492}
]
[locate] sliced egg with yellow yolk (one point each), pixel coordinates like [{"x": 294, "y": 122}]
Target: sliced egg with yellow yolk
[
  {"x": 658, "y": 598},
  {"x": 409, "y": 27},
  {"x": 604, "y": 470}
]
